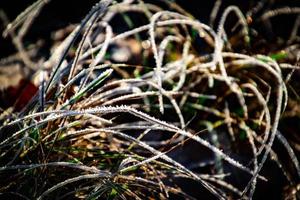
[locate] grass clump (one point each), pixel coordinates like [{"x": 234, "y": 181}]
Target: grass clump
[{"x": 127, "y": 113}]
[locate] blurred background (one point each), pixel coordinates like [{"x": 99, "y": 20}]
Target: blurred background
[{"x": 59, "y": 13}]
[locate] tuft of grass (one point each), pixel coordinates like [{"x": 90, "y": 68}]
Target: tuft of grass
[{"x": 99, "y": 128}]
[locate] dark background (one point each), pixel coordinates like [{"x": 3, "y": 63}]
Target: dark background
[{"x": 59, "y": 13}]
